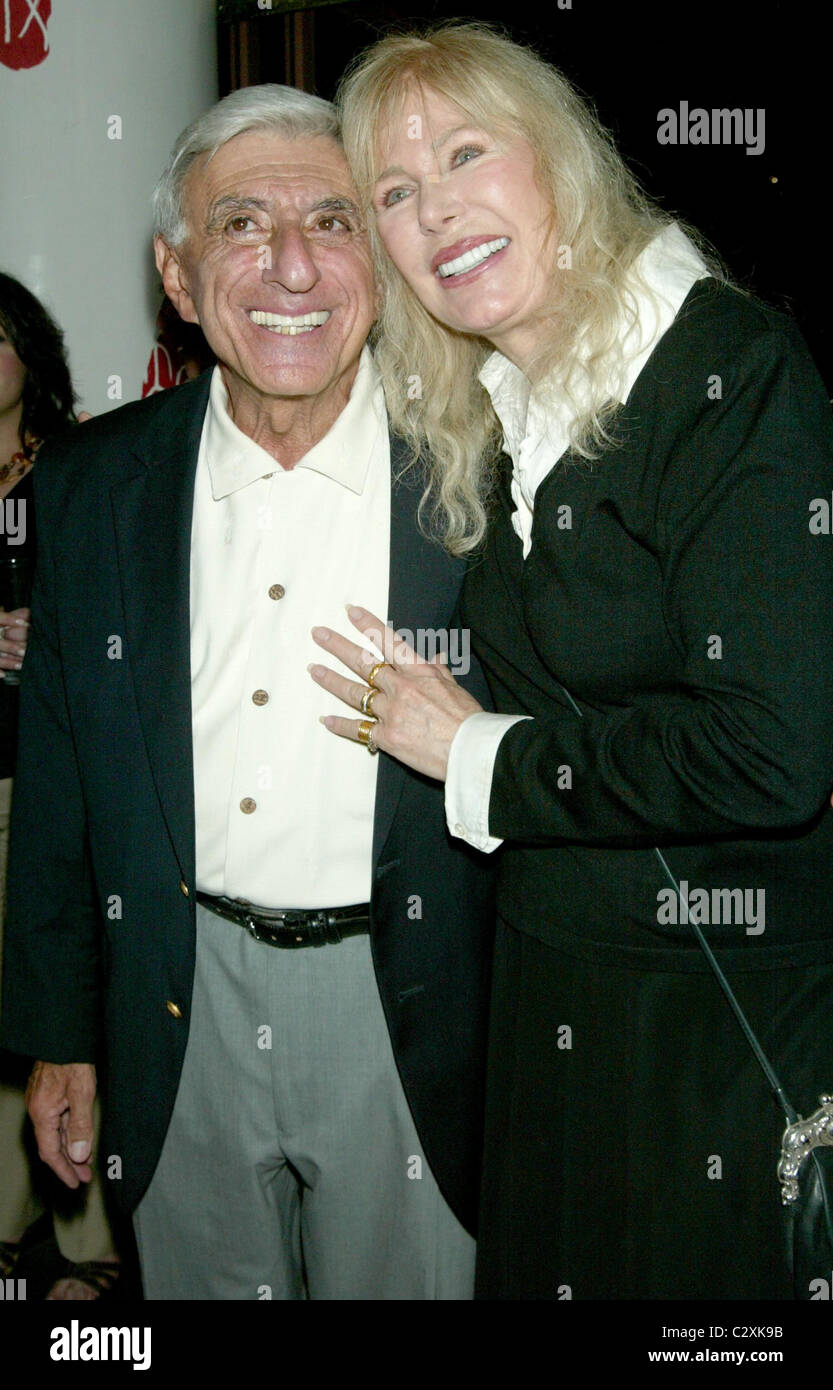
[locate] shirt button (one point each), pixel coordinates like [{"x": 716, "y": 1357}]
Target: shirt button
[
  {"x": 459, "y": 829},
  {"x": 173, "y": 1008},
  {"x": 247, "y": 805},
  {"x": 277, "y": 591},
  {"x": 183, "y": 887},
  {"x": 260, "y": 697}
]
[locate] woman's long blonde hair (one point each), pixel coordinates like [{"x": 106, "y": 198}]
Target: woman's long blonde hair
[{"x": 603, "y": 216}]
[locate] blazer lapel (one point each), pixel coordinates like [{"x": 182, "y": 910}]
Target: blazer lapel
[
  {"x": 152, "y": 512},
  {"x": 423, "y": 587}
]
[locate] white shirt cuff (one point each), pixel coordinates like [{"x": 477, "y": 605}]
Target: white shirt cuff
[{"x": 468, "y": 783}]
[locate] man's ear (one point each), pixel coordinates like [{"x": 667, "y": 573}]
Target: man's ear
[{"x": 174, "y": 280}]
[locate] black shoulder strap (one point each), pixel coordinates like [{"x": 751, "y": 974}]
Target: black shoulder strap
[{"x": 760, "y": 1056}]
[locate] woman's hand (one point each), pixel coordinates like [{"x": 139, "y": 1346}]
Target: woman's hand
[
  {"x": 14, "y": 633},
  {"x": 419, "y": 706}
]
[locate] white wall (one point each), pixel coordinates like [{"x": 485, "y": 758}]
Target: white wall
[{"x": 75, "y": 204}]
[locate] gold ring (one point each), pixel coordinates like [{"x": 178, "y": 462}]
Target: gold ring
[
  {"x": 374, "y": 671},
  {"x": 366, "y": 705},
  {"x": 365, "y": 735}
]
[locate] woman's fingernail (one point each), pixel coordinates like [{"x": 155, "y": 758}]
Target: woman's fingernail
[
  {"x": 327, "y": 720},
  {"x": 353, "y": 612},
  {"x": 321, "y": 634},
  {"x": 317, "y": 671}
]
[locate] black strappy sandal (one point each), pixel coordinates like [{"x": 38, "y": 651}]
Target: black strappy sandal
[{"x": 9, "y": 1256}]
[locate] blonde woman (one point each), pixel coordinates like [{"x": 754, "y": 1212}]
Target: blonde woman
[{"x": 655, "y": 617}]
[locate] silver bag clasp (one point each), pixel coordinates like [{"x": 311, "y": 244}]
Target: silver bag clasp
[{"x": 799, "y": 1140}]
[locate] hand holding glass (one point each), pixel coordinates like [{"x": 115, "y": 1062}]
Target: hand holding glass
[{"x": 15, "y": 592}]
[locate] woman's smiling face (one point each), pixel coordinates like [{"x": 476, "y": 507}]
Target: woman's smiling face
[{"x": 461, "y": 216}]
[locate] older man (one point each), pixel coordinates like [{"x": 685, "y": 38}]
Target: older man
[{"x": 194, "y": 858}]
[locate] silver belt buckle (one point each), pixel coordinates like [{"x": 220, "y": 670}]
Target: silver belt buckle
[{"x": 254, "y": 930}]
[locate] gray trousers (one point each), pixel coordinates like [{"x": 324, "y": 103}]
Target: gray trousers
[{"x": 292, "y": 1168}]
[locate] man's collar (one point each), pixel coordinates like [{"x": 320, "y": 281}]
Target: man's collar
[{"x": 344, "y": 454}]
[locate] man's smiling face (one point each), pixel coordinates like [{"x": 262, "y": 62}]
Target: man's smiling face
[{"x": 276, "y": 267}]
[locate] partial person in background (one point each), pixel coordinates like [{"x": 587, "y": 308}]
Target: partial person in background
[
  {"x": 179, "y": 354},
  {"x": 36, "y": 402},
  {"x": 655, "y": 618}
]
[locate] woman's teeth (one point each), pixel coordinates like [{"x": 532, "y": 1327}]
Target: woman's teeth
[
  {"x": 470, "y": 259},
  {"x": 287, "y": 324}
]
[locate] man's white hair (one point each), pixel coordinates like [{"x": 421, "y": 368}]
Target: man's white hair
[{"x": 285, "y": 110}]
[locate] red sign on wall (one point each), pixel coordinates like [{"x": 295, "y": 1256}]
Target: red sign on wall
[
  {"x": 162, "y": 372},
  {"x": 23, "y": 39}
]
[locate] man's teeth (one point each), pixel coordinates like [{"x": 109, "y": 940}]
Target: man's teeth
[
  {"x": 469, "y": 259},
  {"x": 288, "y": 324}
]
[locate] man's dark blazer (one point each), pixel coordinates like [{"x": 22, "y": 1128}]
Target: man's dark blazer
[{"x": 100, "y": 928}]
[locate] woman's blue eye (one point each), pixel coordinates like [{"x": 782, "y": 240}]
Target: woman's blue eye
[{"x": 465, "y": 150}]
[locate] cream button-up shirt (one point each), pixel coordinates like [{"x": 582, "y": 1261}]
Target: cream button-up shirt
[{"x": 284, "y": 808}]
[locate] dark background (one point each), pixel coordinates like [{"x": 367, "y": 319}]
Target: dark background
[{"x": 767, "y": 215}]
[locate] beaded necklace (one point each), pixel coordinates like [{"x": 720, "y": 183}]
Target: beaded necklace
[{"x": 20, "y": 462}]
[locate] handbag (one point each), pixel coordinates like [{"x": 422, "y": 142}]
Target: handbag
[
  {"x": 804, "y": 1168},
  {"x": 805, "y": 1164}
]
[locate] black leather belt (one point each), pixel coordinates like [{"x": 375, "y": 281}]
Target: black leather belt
[{"x": 292, "y": 927}]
